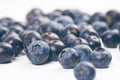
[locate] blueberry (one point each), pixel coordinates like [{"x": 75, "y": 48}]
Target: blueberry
[
  {"x": 34, "y": 13},
  {"x": 36, "y": 23},
  {"x": 68, "y": 58},
  {"x": 84, "y": 51},
  {"x": 98, "y": 17},
  {"x": 6, "y": 22},
  {"x": 113, "y": 17},
  {"x": 84, "y": 71},
  {"x": 83, "y": 25},
  {"x": 64, "y": 20},
  {"x": 111, "y": 38},
  {"x": 47, "y": 37},
  {"x": 38, "y": 52},
  {"x": 12, "y": 34},
  {"x": 31, "y": 36},
  {"x": 71, "y": 29},
  {"x": 51, "y": 26},
  {"x": 55, "y": 47},
  {"x": 21, "y": 24},
  {"x": 116, "y": 26},
  {"x": 94, "y": 42},
  {"x": 83, "y": 18},
  {"x": 68, "y": 40},
  {"x": 3, "y": 31},
  {"x": 101, "y": 58},
  {"x": 54, "y": 14},
  {"x": 16, "y": 28},
  {"x": 88, "y": 32},
  {"x": 100, "y": 27},
  {"x": 77, "y": 15},
  {"x": 78, "y": 41},
  {"x": 6, "y": 53},
  {"x": 74, "y": 14},
  {"x": 16, "y": 43},
  {"x": 23, "y": 33}
]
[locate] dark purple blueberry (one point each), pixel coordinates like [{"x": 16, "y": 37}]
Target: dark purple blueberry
[
  {"x": 38, "y": 52},
  {"x": 71, "y": 29},
  {"x": 88, "y": 32},
  {"x": 94, "y": 42},
  {"x": 116, "y": 26},
  {"x": 111, "y": 38},
  {"x": 21, "y": 24},
  {"x": 51, "y": 26},
  {"x": 54, "y": 15},
  {"x": 16, "y": 43},
  {"x": 68, "y": 39},
  {"x": 100, "y": 27},
  {"x": 6, "y": 53},
  {"x": 78, "y": 41},
  {"x": 3, "y": 31},
  {"x": 31, "y": 36},
  {"x": 101, "y": 58},
  {"x": 83, "y": 25},
  {"x": 74, "y": 14},
  {"x": 6, "y": 22},
  {"x": 23, "y": 33},
  {"x": 55, "y": 47},
  {"x": 34, "y": 13},
  {"x": 16, "y": 28},
  {"x": 98, "y": 17},
  {"x": 84, "y": 51},
  {"x": 113, "y": 17},
  {"x": 64, "y": 20},
  {"x": 68, "y": 58},
  {"x": 85, "y": 71},
  {"x": 84, "y": 17},
  {"x": 12, "y": 34},
  {"x": 47, "y": 37},
  {"x": 36, "y": 23}
]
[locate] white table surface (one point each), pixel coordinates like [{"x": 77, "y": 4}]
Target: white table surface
[{"x": 22, "y": 69}]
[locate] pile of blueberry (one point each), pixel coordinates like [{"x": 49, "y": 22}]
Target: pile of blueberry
[{"x": 69, "y": 36}]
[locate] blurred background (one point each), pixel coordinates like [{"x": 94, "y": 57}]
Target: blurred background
[{"x": 17, "y": 9}]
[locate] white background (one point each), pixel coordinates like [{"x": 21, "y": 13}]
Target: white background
[{"x": 22, "y": 69}]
